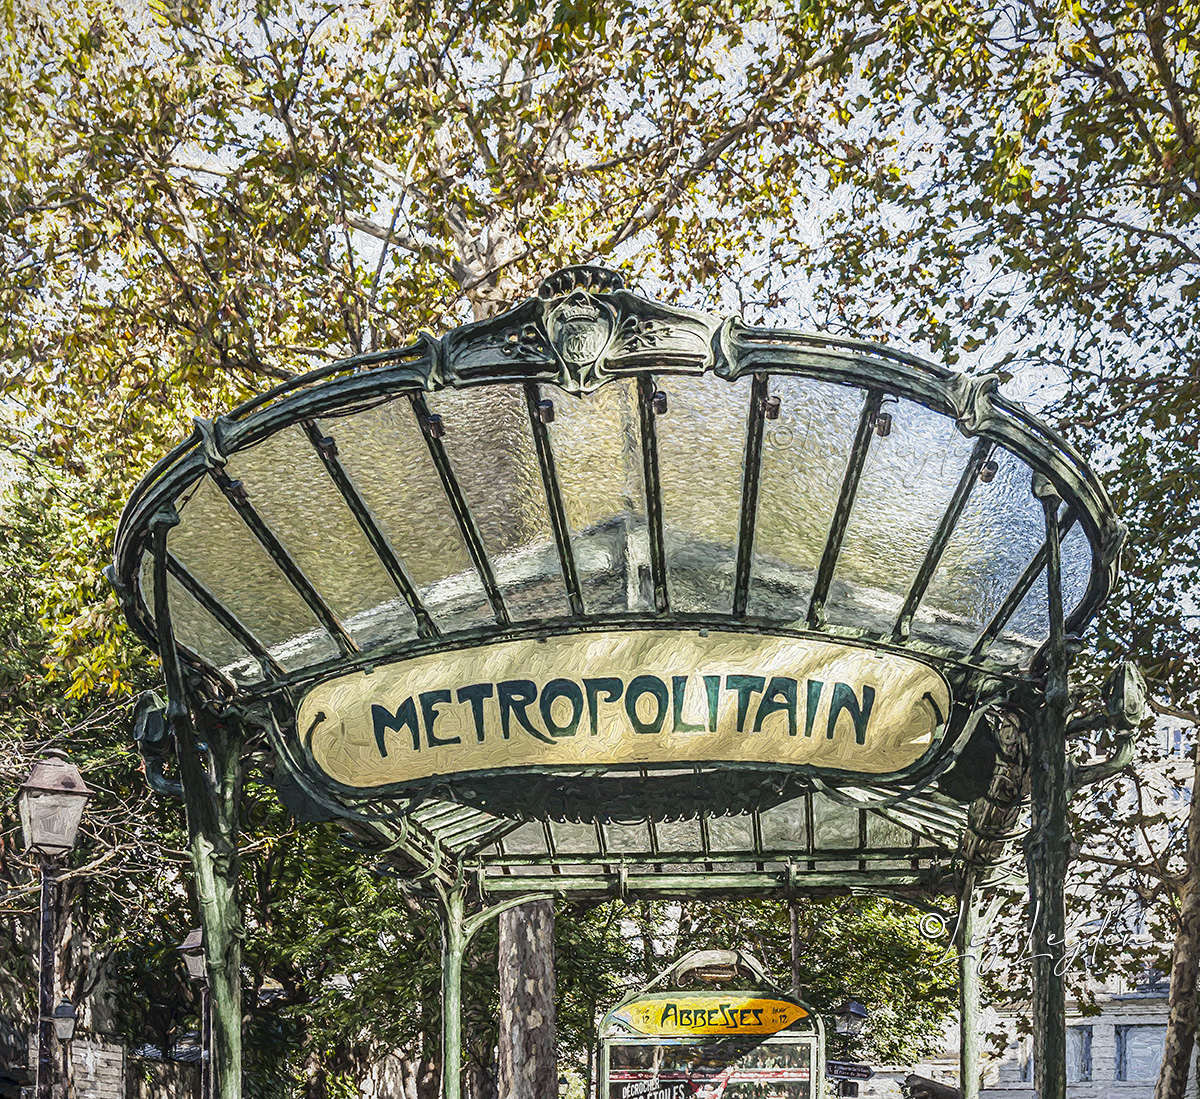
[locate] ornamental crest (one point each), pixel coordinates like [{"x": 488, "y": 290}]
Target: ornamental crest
[{"x": 581, "y": 329}]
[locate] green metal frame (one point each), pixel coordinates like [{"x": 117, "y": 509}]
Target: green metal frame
[{"x": 458, "y": 846}]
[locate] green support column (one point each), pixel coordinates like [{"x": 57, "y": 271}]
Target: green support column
[
  {"x": 212, "y": 797},
  {"x": 454, "y": 946},
  {"x": 457, "y": 931},
  {"x": 1047, "y": 848},
  {"x": 967, "y": 948}
]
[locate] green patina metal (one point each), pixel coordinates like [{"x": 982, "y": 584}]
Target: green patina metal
[{"x": 933, "y": 829}]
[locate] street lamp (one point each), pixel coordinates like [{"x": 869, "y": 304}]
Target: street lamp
[
  {"x": 64, "y": 1031},
  {"x": 849, "y": 1020},
  {"x": 50, "y": 804},
  {"x": 196, "y": 963}
]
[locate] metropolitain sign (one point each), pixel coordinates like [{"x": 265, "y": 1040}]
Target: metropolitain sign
[{"x": 626, "y": 697}]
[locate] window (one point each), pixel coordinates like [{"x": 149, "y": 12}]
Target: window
[
  {"x": 1140, "y": 1051},
  {"x": 1079, "y": 1054}
]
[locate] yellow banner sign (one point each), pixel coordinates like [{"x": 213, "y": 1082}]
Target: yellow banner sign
[
  {"x": 708, "y": 1013},
  {"x": 626, "y": 697}
]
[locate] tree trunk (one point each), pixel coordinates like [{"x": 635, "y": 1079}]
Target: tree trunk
[
  {"x": 528, "y": 1062},
  {"x": 1185, "y": 962}
]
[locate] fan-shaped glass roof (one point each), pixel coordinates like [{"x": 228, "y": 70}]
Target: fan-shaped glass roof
[{"x": 591, "y": 460}]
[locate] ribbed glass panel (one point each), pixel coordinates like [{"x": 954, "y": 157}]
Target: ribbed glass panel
[
  {"x": 701, "y": 443},
  {"x": 199, "y": 631},
  {"x": 597, "y": 453},
  {"x": 996, "y": 537},
  {"x": 215, "y": 545},
  {"x": 385, "y": 455},
  {"x": 291, "y": 489},
  {"x": 907, "y": 482},
  {"x": 679, "y": 835},
  {"x": 784, "y": 827},
  {"x": 804, "y": 456},
  {"x": 730, "y": 833},
  {"x": 572, "y": 838},
  {"x": 1029, "y": 626},
  {"x": 490, "y": 444}
]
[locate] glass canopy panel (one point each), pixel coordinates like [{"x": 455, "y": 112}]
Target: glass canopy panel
[
  {"x": 680, "y": 835},
  {"x": 574, "y": 838},
  {"x": 784, "y": 827},
  {"x": 199, "y": 631},
  {"x": 701, "y": 445},
  {"x": 598, "y": 457},
  {"x": 729, "y": 835},
  {"x": 804, "y": 456},
  {"x": 291, "y": 489},
  {"x": 529, "y": 839},
  {"x": 218, "y": 549},
  {"x": 998, "y": 534},
  {"x": 490, "y": 444},
  {"x": 385, "y": 456},
  {"x": 835, "y": 825},
  {"x": 627, "y": 839},
  {"x": 1029, "y": 626},
  {"x": 907, "y": 482}
]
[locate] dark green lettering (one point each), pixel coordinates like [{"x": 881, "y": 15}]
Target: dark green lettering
[
  {"x": 742, "y": 1017},
  {"x": 780, "y": 697},
  {"x": 515, "y": 696},
  {"x": 678, "y": 690},
  {"x": 383, "y": 719},
  {"x": 712, "y": 687},
  {"x": 757, "y": 1013},
  {"x": 815, "y": 686},
  {"x": 475, "y": 694},
  {"x": 429, "y": 711},
  {"x": 844, "y": 698},
  {"x": 670, "y": 1011},
  {"x": 745, "y": 685},
  {"x": 611, "y": 686},
  {"x": 646, "y": 685},
  {"x": 711, "y": 1012},
  {"x": 554, "y": 690}
]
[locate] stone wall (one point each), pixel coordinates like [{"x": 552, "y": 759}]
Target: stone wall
[{"x": 104, "y": 1069}]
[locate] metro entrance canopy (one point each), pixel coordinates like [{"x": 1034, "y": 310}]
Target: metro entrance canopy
[{"x": 605, "y": 597}]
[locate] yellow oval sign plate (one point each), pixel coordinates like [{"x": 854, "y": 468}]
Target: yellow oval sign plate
[
  {"x": 626, "y": 697},
  {"x": 708, "y": 1013}
]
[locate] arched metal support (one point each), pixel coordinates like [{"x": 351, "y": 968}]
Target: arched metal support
[
  {"x": 1047, "y": 847},
  {"x": 457, "y": 931},
  {"x": 966, "y": 946},
  {"x": 212, "y": 796},
  {"x": 970, "y": 932}
]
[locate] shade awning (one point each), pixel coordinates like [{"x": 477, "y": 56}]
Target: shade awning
[{"x": 593, "y": 461}]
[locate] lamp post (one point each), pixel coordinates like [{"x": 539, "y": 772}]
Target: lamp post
[
  {"x": 50, "y": 804},
  {"x": 64, "y": 1031},
  {"x": 196, "y": 964},
  {"x": 850, "y": 1018}
]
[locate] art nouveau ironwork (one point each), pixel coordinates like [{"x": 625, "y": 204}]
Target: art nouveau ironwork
[{"x": 601, "y": 596}]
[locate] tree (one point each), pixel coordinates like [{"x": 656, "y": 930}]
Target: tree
[
  {"x": 195, "y": 197},
  {"x": 199, "y": 201},
  {"x": 1032, "y": 200}
]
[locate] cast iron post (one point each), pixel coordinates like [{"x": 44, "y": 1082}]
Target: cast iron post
[
  {"x": 968, "y": 993},
  {"x": 454, "y": 946},
  {"x": 1048, "y": 845},
  {"x": 45, "y": 1030}
]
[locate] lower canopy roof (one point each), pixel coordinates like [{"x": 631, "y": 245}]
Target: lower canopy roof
[{"x": 592, "y": 465}]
